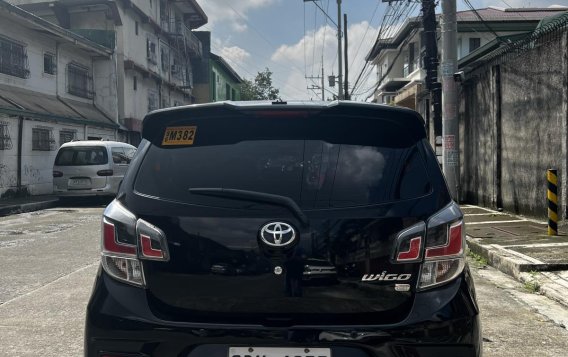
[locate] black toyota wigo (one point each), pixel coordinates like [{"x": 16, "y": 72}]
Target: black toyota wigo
[{"x": 304, "y": 229}]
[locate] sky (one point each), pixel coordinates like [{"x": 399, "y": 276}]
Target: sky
[{"x": 293, "y": 38}]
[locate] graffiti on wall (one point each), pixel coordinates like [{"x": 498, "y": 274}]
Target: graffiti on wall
[
  {"x": 32, "y": 174},
  {"x": 7, "y": 177}
]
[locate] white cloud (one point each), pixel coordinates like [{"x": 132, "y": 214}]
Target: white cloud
[
  {"x": 235, "y": 55},
  {"x": 232, "y": 12},
  {"x": 312, "y": 47}
]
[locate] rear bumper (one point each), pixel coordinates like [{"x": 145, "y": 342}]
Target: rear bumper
[
  {"x": 442, "y": 322},
  {"x": 107, "y": 190}
]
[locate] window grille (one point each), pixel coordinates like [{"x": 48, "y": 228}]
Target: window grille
[
  {"x": 66, "y": 136},
  {"x": 42, "y": 139},
  {"x": 13, "y": 59},
  {"x": 5, "y": 139},
  {"x": 49, "y": 63},
  {"x": 79, "y": 81}
]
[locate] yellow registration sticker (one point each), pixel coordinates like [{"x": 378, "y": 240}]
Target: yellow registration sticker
[{"x": 179, "y": 135}]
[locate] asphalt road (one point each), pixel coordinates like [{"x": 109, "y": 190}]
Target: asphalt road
[{"x": 48, "y": 260}]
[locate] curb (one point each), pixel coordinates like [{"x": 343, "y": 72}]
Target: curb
[
  {"x": 27, "y": 207},
  {"x": 550, "y": 284}
]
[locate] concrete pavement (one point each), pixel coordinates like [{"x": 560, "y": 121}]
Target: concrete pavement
[
  {"x": 521, "y": 248},
  {"x": 15, "y": 205}
]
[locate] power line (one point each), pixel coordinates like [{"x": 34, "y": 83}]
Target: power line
[
  {"x": 256, "y": 30},
  {"x": 365, "y": 35},
  {"x": 480, "y": 18},
  {"x": 254, "y": 75}
]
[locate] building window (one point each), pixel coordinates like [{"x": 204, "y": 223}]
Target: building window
[
  {"x": 136, "y": 28},
  {"x": 164, "y": 59},
  {"x": 66, "y": 136},
  {"x": 135, "y": 83},
  {"x": 13, "y": 59},
  {"x": 49, "y": 63},
  {"x": 474, "y": 43},
  {"x": 42, "y": 139},
  {"x": 411, "y": 57},
  {"x": 233, "y": 94},
  {"x": 151, "y": 51},
  {"x": 5, "y": 139},
  {"x": 165, "y": 103},
  {"x": 79, "y": 81},
  {"x": 152, "y": 100}
]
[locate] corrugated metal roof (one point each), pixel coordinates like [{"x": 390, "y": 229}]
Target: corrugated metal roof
[
  {"x": 50, "y": 105},
  {"x": 496, "y": 14}
]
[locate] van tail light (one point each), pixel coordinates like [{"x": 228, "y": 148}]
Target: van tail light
[
  {"x": 105, "y": 173},
  {"x": 57, "y": 173},
  {"x": 444, "y": 257}
]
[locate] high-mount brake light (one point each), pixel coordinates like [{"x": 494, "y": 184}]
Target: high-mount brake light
[{"x": 445, "y": 246}]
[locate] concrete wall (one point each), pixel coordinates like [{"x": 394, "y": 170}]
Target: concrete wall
[
  {"x": 514, "y": 118},
  {"x": 37, "y": 166}
]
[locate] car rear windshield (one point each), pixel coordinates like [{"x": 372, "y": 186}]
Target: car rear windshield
[
  {"x": 339, "y": 162},
  {"x": 81, "y": 155}
]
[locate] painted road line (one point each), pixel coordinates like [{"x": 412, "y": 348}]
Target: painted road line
[
  {"x": 494, "y": 222},
  {"x": 485, "y": 214}
]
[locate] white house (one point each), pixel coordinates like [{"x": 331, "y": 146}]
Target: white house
[{"x": 55, "y": 86}]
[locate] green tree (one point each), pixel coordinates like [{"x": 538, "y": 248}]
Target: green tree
[{"x": 259, "y": 89}]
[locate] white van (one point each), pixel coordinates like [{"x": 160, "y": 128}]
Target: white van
[{"x": 90, "y": 168}]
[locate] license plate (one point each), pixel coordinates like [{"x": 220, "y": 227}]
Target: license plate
[
  {"x": 80, "y": 182},
  {"x": 278, "y": 352},
  {"x": 179, "y": 135}
]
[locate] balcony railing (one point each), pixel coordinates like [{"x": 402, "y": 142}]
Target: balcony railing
[{"x": 180, "y": 32}]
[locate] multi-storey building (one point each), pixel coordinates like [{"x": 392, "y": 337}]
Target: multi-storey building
[
  {"x": 55, "y": 86},
  {"x": 215, "y": 80},
  {"x": 400, "y": 71},
  {"x": 155, "y": 48}
]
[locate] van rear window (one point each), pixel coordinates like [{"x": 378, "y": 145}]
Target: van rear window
[
  {"x": 82, "y": 155},
  {"x": 318, "y": 169}
]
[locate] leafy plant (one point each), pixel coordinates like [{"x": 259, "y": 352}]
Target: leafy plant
[{"x": 259, "y": 89}]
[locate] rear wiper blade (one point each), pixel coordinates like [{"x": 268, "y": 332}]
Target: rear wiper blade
[{"x": 254, "y": 196}]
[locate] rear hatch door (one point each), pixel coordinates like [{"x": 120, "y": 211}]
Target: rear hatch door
[{"x": 285, "y": 217}]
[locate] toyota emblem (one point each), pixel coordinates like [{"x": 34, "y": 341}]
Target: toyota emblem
[{"x": 277, "y": 234}]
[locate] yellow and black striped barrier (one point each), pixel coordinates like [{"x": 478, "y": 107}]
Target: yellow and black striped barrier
[{"x": 552, "y": 197}]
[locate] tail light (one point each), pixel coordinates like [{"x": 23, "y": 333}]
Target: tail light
[
  {"x": 57, "y": 173},
  {"x": 445, "y": 246},
  {"x": 105, "y": 173},
  {"x": 127, "y": 240}
]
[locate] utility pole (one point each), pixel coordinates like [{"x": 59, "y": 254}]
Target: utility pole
[
  {"x": 431, "y": 65},
  {"x": 346, "y": 91},
  {"x": 322, "y": 83},
  {"x": 339, "y": 54},
  {"x": 450, "y": 124}
]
